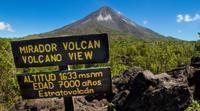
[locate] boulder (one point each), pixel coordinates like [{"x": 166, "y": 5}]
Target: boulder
[
  {"x": 149, "y": 92},
  {"x": 164, "y": 95},
  {"x": 195, "y": 82},
  {"x": 195, "y": 61},
  {"x": 81, "y": 104}
]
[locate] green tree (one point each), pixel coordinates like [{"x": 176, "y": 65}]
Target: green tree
[{"x": 9, "y": 88}]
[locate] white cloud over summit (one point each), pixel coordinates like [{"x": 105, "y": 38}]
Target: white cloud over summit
[
  {"x": 187, "y": 18},
  {"x": 6, "y": 27}
]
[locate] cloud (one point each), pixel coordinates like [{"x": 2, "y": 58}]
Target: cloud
[
  {"x": 6, "y": 27},
  {"x": 187, "y": 18},
  {"x": 179, "y": 31},
  {"x": 145, "y": 22}
]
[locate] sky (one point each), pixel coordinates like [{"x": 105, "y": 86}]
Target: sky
[{"x": 177, "y": 18}]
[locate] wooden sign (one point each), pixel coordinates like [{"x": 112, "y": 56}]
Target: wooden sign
[
  {"x": 85, "y": 49},
  {"x": 65, "y": 83}
]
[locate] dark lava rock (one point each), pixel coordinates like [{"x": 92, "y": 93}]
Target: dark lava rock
[
  {"x": 195, "y": 61},
  {"x": 195, "y": 81},
  {"x": 151, "y": 92},
  {"x": 138, "y": 90},
  {"x": 145, "y": 91}
]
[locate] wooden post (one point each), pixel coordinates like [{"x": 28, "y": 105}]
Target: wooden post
[{"x": 68, "y": 101}]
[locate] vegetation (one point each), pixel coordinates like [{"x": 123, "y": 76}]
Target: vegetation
[
  {"x": 8, "y": 82},
  {"x": 194, "y": 106},
  {"x": 157, "y": 56}
]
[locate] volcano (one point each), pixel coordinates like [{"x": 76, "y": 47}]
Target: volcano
[{"x": 104, "y": 20}]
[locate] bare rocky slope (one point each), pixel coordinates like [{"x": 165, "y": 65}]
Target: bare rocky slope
[{"x": 136, "y": 90}]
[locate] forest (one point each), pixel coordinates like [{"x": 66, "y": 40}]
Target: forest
[{"x": 156, "y": 56}]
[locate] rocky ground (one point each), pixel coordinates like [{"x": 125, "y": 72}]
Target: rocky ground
[{"x": 136, "y": 90}]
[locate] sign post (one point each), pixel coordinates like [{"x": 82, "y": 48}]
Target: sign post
[
  {"x": 63, "y": 51},
  {"x": 68, "y": 101}
]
